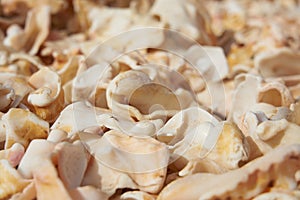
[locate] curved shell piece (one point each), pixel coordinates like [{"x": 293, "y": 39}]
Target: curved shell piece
[
  {"x": 71, "y": 118},
  {"x": 72, "y": 161},
  {"x": 182, "y": 123},
  {"x": 7, "y": 97},
  {"x": 188, "y": 17},
  {"x": 118, "y": 159},
  {"x": 37, "y": 26},
  {"x": 11, "y": 181},
  {"x": 246, "y": 182},
  {"x": 280, "y": 62},
  {"x": 14, "y": 154},
  {"x": 87, "y": 193},
  {"x": 48, "y": 98},
  {"x": 22, "y": 126},
  {"x": 137, "y": 195},
  {"x": 37, "y": 163},
  {"x": 276, "y": 195},
  {"x": 276, "y": 94}
]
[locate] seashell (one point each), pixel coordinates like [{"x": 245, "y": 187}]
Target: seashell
[
  {"x": 38, "y": 153},
  {"x": 12, "y": 6},
  {"x": 70, "y": 118},
  {"x": 57, "y": 135},
  {"x": 276, "y": 94},
  {"x": 28, "y": 193},
  {"x": 13, "y": 89},
  {"x": 48, "y": 98},
  {"x": 137, "y": 195},
  {"x": 117, "y": 158},
  {"x": 182, "y": 123},
  {"x": 14, "y": 154},
  {"x": 7, "y": 97},
  {"x": 47, "y": 183},
  {"x": 22, "y": 126},
  {"x": 87, "y": 193},
  {"x": 184, "y": 18},
  {"x": 127, "y": 91},
  {"x": 276, "y": 195},
  {"x": 36, "y": 26},
  {"x": 11, "y": 181},
  {"x": 72, "y": 161},
  {"x": 279, "y": 62},
  {"x": 37, "y": 163},
  {"x": 271, "y": 168}
]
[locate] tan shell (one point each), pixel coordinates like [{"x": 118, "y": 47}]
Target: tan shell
[
  {"x": 276, "y": 195},
  {"x": 71, "y": 118},
  {"x": 28, "y": 193},
  {"x": 48, "y": 98},
  {"x": 137, "y": 195},
  {"x": 72, "y": 161},
  {"x": 7, "y": 97},
  {"x": 279, "y": 62},
  {"x": 37, "y": 164},
  {"x": 22, "y": 126},
  {"x": 184, "y": 17},
  {"x": 13, "y": 89},
  {"x": 37, "y": 26},
  {"x": 236, "y": 184},
  {"x": 127, "y": 91},
  {"x": 14, "y": 154},
  {"x": 11, "y": 181},
  {"x": 117, "y": 162},
  {"x": 87, "y": 193}
]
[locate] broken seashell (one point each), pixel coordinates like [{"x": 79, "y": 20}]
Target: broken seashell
[
  {"x": 72, "y": 161},
  {"x": 279, "y": 62},
  {"x": 37, "y": 26},
  {"x": 137, "y": 195},
  {"x": 88, "y": 193},
  {"x": 22, "y": 126},
  {"x": 7, "y": 97},
  {"x": 70, "y": 119},
  {"x": 189, "y": 18},
  {"x": 127, "y": 171},
  {"x": 48, "y": 99},
  {"x": 11, "y": 181},
  {"x": 14, "y": 154},
  {"x": 57, "y": 135},
  {"x": 28, "y": 193},
  {"x": 271, "y": 168}
]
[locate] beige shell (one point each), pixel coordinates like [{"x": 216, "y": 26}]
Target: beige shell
[
  {"x": 22, "y": 126},
  {"x": 269, "y": 134},
  {"x": 11, "y": 181},
  {"x": 72, "y": 161},
  {"x": 127, "y": 91},
  {"x": 87, "y": 193},
  {"x": 71, "y": 118},
  {"x": 48, "y": 98},
  {"x": 28, "y": 193},
  {"x": 246, "y": 182},
  {"x": 14, "y": 154},
  {"x": 223, "y": 146},
  {"x": 276, "y": 195},
  {"x": 137, "y": 195},
  {"x": 184, "y": 17},
  {"x": 37, "y": 26},
  {"x": 117, "y": 162},
  {"x": 13, "y": 89},
  {"x": 12, "y": 6},
  {"x": 7, "y": 96},
  {"x": 279, "y": 62},
  {"x": 37, "y": 163}
]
